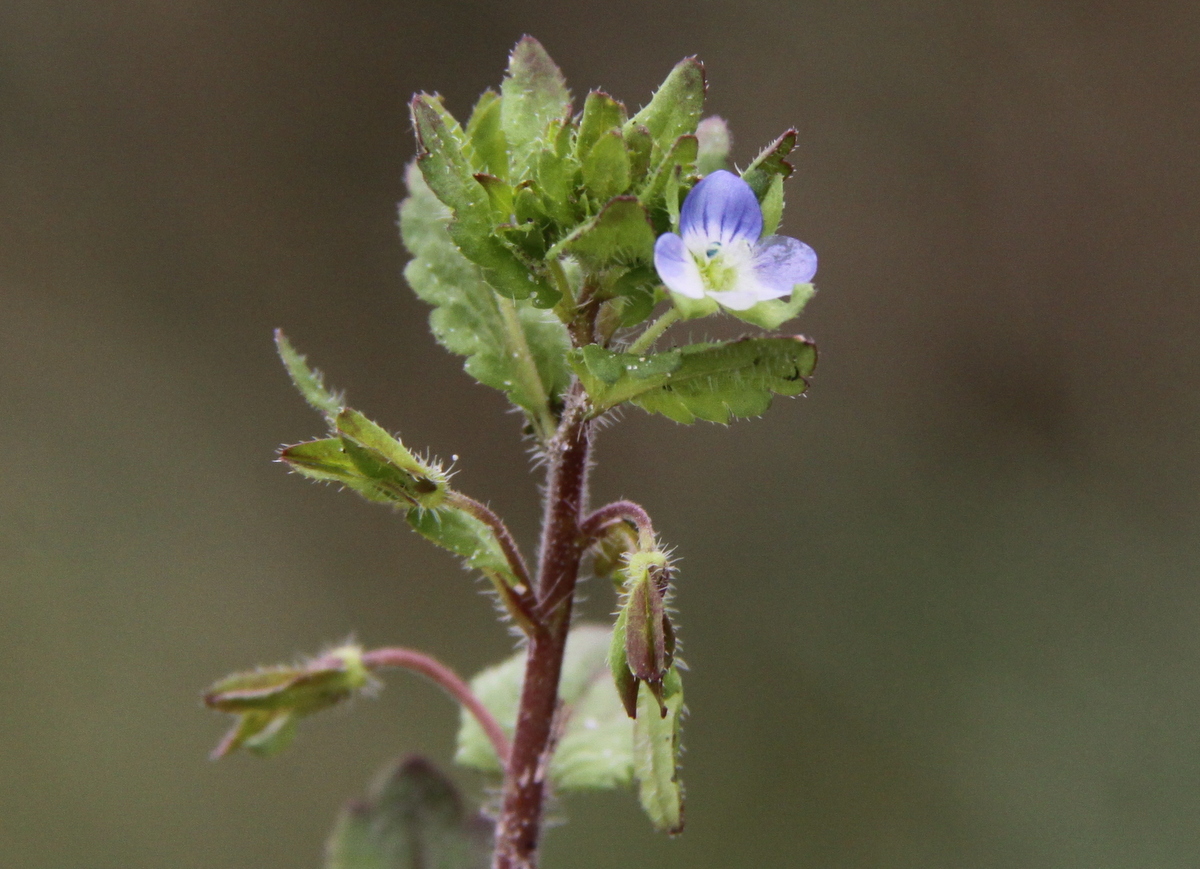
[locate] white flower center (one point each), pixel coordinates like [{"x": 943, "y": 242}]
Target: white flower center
[{"x": 721, "y": 265}]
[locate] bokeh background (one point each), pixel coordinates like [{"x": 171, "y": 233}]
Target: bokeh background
[{"x": 943, "y": 612}]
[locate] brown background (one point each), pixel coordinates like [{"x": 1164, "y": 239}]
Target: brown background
[{"x": 944, "y": 612}]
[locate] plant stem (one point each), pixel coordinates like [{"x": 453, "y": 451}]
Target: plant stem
[
  {"x": 519, "y": 827},
  {"x": 646, "y": 340},
  {"x": 620, "y": 511},
  {"x": 435, "y": 670}
]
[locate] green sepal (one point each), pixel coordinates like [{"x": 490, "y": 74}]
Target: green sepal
[
  {"x": 649, "y": 636},
  {"x": 606, "y": 169},
  {"x": 467, "y": 537},
  {"x": 773, "y": 313},
  {"x": 309, "y": 381},
  {"x": 624, "y": 681},
  {"x": 596, "y": 743},
  {"x": 772, "y": 206},
  {"x": 715, "y": 143},
  {"x": 675, "y": 108},
  {"x": 714, "y": 382},
  {"x": 486, "y": 137},
  {"x": 413, "y": 818},
  {"x": 657, "y": 748},
  {"x": 694, "y": 309},
  {"x": 368, "y": 444},
  {"x": 511, "y": 346},
  {"x": 601, "y": 114},
  {"x": 769, "y": 163},
  {"x": 327, "y": 460},
  {"x": 619, "y": 234},
  {"x": 534, "y": 95},
  {"x": 268, "y": 701}
]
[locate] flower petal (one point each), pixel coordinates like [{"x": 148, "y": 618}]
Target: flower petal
[
  {"x": 676, "y": 267},
  {"x": 781, "y": 262},
  {"x": 720, "y": 209}
]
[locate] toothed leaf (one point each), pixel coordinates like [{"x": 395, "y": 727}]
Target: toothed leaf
[
  {"x": 676, "y": 106},
  {"x": 770, "y": 163},
  {"x": 595, "y": 749},
  {"x": 656, "y": 741},
  {"x": 620, "y": 234},
  {"x": 309, "y": 381},
  {"x": 714, "y": 382},
  {"x": 513, "y": 347},
  {"x": 534, "y": 95}
]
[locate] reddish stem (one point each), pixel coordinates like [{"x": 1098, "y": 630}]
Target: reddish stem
[
  {"x": 620, "y": 511},
  {"x": 438, "y": 672}
]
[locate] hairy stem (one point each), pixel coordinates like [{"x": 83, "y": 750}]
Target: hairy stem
[
  {"x": 620, "y": 511},
  {"x": 646, "y": 340},
  {"x": 450, "y": 681},
  {"x": 563, "y": 543}
]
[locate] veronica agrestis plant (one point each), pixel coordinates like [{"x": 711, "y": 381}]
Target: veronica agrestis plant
[{"x": 545, "y": 240}]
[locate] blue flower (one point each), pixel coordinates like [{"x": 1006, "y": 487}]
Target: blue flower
[{"x": 720, "y": 254}]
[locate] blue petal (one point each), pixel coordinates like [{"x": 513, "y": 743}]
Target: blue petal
[
  {"x": 719, "y": 210},
  {"x": 676, "y": 266},
  {"x": 781, "y": 262}
]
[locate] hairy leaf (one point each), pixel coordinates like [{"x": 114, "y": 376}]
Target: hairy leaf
[
  {"x": 413, "y": 818},
  {"x": 465, "y": 536},
  {"x": 770, "y": 163},
  {"x": 534, "y": 95},
  {"x": 675, "y": 108},
  {"x": 620, "y": 233},
  {"x": 595, "y": 749},
  {"x": 309, "y": 381},
  {"x": 601, "y": 114},
  {"x": 714, "y": 382},
  {"x": 489, "y": 150},
  {"x": 606, "y": 170},
  {"x": 511, "y": 346},
  {"x": 656, "y": 747}
]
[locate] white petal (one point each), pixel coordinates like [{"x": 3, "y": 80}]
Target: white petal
[
  {"x": 676, "y": 267},
  {"x": 781, "y": 263}
]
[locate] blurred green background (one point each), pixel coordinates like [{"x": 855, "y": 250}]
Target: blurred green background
[{"x": 943, "y": 612}]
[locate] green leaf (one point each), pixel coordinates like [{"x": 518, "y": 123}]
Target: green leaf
[
  {"x": 444, "y": 164},
  {"x": 770, "y": 163},
  {"x": 676, "y": 106},
  {"x": 309, "y": 381},
  {"x": 715, "y": 143},
  {"x": 510, "y": 346},
  {"x": 656, "y": 747},
  {"x": 534, "y": 95},
  {"x": 595, "y": 749},
  {"x": 679, "y": 160},
  {"x": 773, "y": 313},
  {"x": 601, "y": 114},
  {"x": 606, "y": 171},
  {"x": 488, "y": 146},
  {"x": 714, "y": 382},
  {"x": 413, "y": 818},
  {"x": 619, "y": 234},
  {"x": 555, "y": 175},
  {"x": 464, "y": 535}
]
